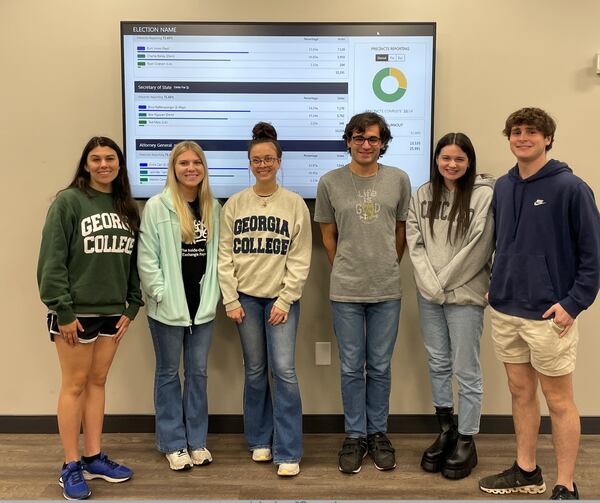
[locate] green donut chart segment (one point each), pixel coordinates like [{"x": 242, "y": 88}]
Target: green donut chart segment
[{"x": 400, "y": 79}]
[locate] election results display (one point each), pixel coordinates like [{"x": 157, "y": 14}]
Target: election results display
[{"x": 211, "y": 82}]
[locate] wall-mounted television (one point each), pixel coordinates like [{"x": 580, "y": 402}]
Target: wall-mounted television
[{"x": 211, "y": 82}]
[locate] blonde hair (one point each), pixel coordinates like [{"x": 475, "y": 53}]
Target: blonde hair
[{"x": 182, "y": 208}]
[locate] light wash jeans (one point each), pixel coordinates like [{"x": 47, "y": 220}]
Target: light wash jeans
[
  {"x": 272, "y": 418},
  {"x": 366, "y": 334},
  {"x": 181, "y": 423},
  {"x": 451, "y": 335}
]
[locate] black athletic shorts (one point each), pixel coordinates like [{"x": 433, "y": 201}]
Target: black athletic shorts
[{"x": 93, "y": 327}]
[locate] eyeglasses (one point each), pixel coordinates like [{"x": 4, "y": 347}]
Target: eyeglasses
[
  {"x": 359, "y": 140},
  {"x": 257, "y": 162}
]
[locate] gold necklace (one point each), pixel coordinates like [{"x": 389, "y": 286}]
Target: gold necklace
[{"x": 264, "y": 200}]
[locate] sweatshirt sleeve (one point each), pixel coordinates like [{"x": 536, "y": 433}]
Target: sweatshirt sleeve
[
  {"x": 227, "y": 280},
  {"x": 425, "y": 277},
  {"x": 297, "y": 262},
  {"x": 134, "y": 293},
  {"x": 148, "y": 260},
  {"x": 586, "y": 227},
  {"x": 52, "y": 270},
  {"x": 476, "y": 252}
]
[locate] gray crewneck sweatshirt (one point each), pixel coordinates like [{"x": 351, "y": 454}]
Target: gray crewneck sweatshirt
[{"x": 456, "y": 272}]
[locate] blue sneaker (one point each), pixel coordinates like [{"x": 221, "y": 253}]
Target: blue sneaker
[
  {"x": 107, "y": 469},
  {"x": 71, "y": 480}
]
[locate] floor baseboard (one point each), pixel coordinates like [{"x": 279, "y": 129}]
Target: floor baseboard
[{"x": 312, "y": 423}]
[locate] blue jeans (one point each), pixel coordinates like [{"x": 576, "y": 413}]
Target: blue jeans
[
  {"x": 275, "y": 420},
  {"x": 366, "y": 334},
  {"x": 451, "y": 335},
  {"x": 180, "y": 423}
]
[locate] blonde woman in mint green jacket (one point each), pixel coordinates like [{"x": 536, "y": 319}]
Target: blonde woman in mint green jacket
[{"x": 177, "y": 263}]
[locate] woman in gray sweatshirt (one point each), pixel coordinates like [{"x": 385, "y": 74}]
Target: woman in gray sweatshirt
[{"x": 450, "y": 236}]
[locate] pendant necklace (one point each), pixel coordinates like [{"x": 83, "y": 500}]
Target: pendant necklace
[
  {"x": 366, "y": 208},
  {"x": 374, "y": 181},
  {"x": 264, "y": 200}
]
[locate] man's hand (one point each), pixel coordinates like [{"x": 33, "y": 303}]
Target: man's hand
[{"x": 561, "y": 318}]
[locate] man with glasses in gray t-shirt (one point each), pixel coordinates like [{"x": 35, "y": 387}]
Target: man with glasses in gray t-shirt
[{"x": 362, "y": 209}]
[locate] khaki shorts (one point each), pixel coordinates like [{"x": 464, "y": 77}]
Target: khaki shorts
[{"x": 520, "y": 340}]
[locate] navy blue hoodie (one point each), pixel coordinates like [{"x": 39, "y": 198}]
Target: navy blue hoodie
[{"x": 547, "y": 243}]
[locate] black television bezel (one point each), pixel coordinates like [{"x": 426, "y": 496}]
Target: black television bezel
[{"x": 283, "y": 28}]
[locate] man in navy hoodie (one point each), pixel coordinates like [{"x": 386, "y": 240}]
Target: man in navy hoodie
[{"x": 546, "y": 271}]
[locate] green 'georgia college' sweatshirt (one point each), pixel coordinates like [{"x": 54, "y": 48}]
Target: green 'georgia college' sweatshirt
[{"x": 87, "y": 258}]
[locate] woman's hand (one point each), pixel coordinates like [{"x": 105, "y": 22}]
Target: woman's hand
[
  {"x": 122, "y": 326},
  {"x": 236, "y": 315},
  {"x": 277, "y": 316},
  {"x": 69, "y": 332}
]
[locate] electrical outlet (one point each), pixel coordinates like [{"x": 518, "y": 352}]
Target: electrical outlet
[{"x": 322, "y": 353}]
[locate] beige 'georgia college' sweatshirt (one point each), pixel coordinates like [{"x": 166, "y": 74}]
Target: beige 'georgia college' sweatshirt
[{"x": 265, "y": 246}]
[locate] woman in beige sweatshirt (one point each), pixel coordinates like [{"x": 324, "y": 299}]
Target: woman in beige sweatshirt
[
  {"x": 450, "y": 236},
  {"x": 264, "y": 257}
]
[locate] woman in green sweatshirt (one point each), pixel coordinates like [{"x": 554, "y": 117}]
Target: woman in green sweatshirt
[
  {"x": 177, "y": 262},
  {"x": 88, "y": 279},
  {"x": 450, "y": 236}
]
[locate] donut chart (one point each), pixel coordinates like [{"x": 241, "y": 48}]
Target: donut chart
[{"x": 400, "y": 79}]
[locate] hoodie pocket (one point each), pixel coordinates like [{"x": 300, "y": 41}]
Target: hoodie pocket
[{"x": 523, "y": 278}]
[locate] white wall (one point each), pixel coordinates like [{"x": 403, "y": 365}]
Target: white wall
[{"x": 60, "y": 84}]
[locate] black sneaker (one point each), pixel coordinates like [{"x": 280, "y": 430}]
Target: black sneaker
[
  {"x": 562, "y": 493},
  {"x": 351, "y": 455},
  {"x": 381, "y": 451},
  {"x": 513, "y": 481}
]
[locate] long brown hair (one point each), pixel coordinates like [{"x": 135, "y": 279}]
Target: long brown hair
[
  {"x": 121, "y": 190},
  {"x": 459, "y": 213}
]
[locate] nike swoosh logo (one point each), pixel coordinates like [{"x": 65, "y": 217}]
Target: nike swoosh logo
[{"x": 539, "y": 202}]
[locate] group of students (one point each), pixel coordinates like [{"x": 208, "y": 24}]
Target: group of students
[{"x": 186, "y": 251}]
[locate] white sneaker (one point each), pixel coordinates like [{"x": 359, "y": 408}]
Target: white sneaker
[
  {"x": 201, "y": 456},
  {"x": 288, "y": 469},
  {"x": 179, "y": 460},
  {"x": 262, "y": 455}
]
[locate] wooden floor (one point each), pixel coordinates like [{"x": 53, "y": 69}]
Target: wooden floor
[{"x": 29, "y": 468}]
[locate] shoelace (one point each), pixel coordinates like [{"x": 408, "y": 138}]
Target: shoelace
[
  {"x": 76, "y": 475},
  {"x": 109, "y": 462}
]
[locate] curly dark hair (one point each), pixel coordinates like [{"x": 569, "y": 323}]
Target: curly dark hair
[
  {"x": 360, "y": 122},
  {"x": 532, "y": 117}
]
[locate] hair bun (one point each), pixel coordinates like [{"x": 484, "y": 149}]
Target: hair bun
[{"x": 264, "y": 130}]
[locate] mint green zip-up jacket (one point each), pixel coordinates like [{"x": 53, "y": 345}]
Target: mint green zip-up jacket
[{"x": 159, "y": 265}]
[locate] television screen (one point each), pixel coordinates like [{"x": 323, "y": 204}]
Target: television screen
[{"x": 211, "y": 82}]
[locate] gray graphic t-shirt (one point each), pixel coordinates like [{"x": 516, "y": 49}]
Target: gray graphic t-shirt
[{"x": 365, "y": 209}]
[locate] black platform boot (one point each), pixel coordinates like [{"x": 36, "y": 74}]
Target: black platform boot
[
  {"x": 433, "y": 458},
  {"x": 462, "y": 460}
]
